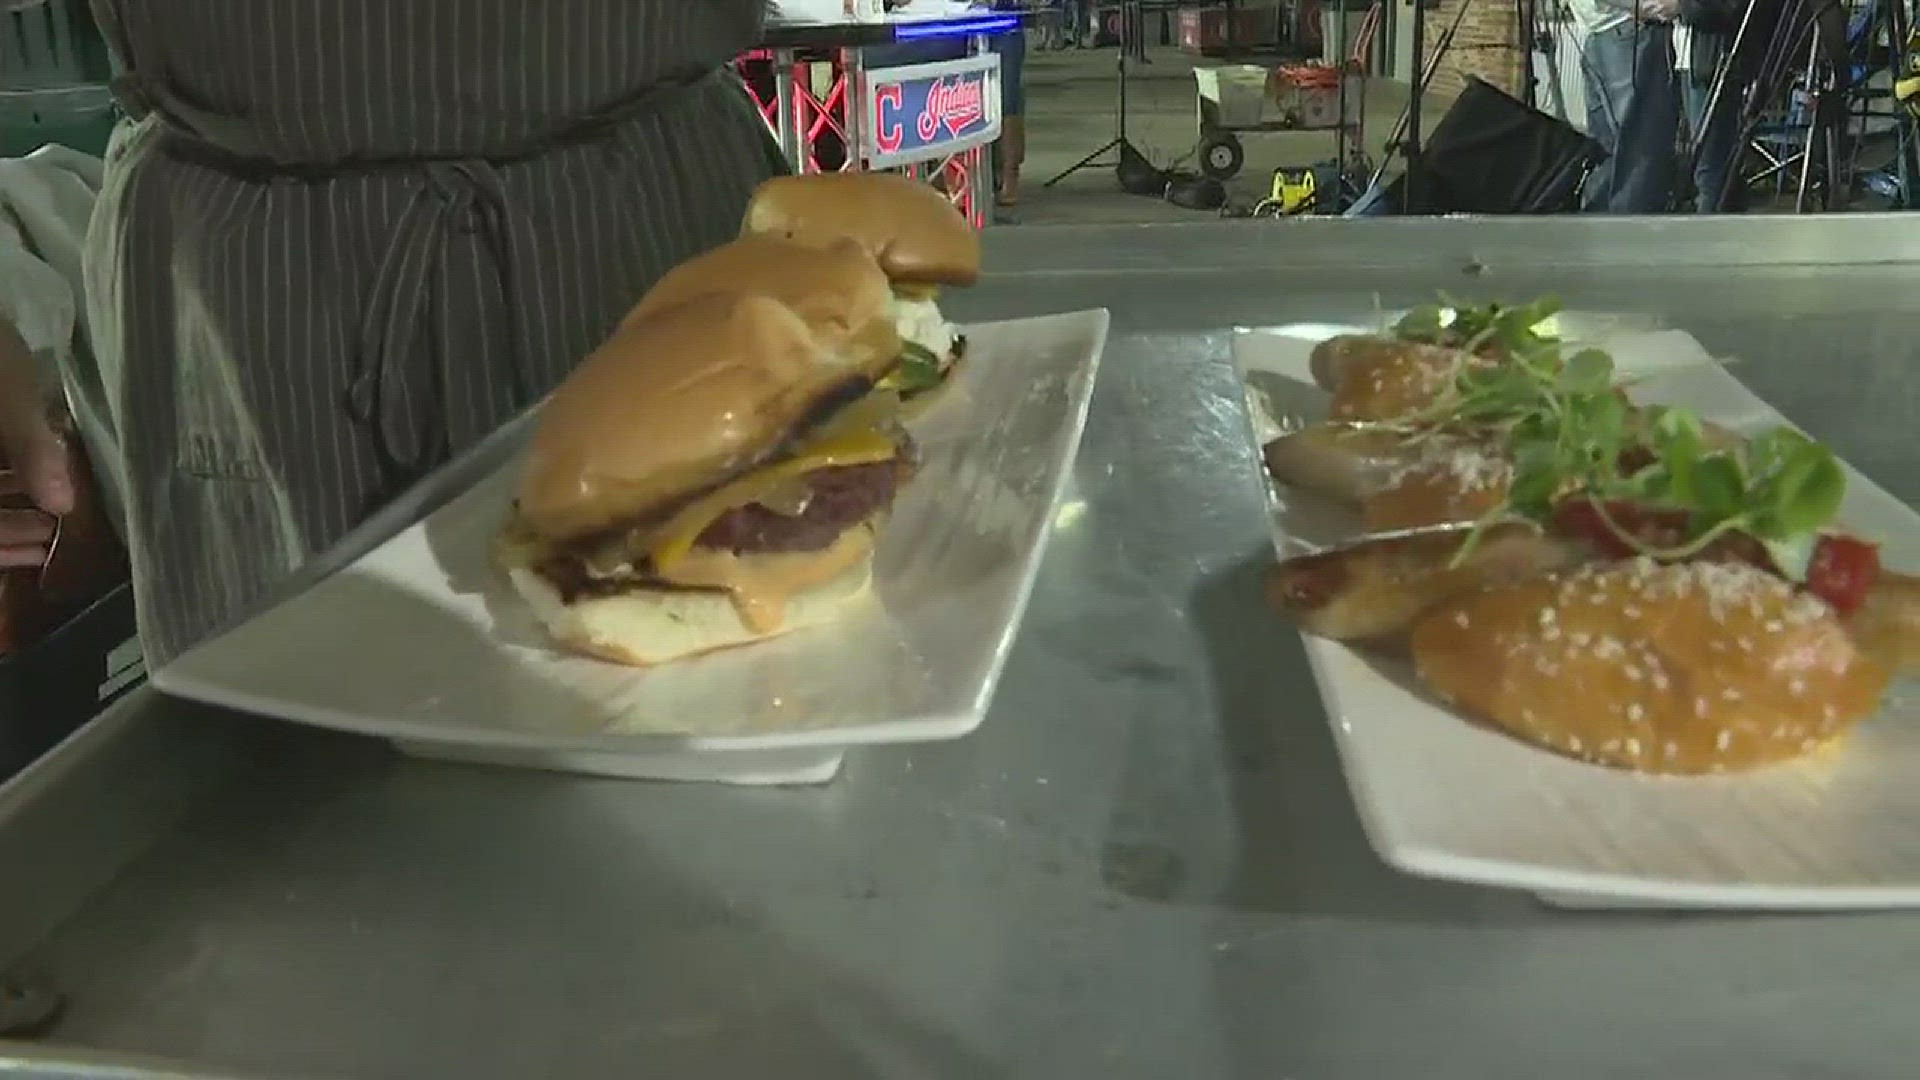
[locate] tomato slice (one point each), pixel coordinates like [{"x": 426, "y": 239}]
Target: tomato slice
[{"x": 1842, "y": 571}]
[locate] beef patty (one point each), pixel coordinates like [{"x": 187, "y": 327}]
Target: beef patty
[{"x": 837, "y": 500}]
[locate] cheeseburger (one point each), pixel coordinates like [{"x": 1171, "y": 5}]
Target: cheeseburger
[
  {"x": 713, "y": 475},
  {"x": 836, "y": 287},
  {"x": 916, "y": 235}
]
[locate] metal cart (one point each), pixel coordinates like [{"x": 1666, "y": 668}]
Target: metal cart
[{"x": 1238, "y": 99}]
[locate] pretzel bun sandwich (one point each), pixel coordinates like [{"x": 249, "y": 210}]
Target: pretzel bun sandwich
[
  {"x": 1412, "y": 364},
  {"x": 713, "y": 475},
  {"x": 920, "y": 240},
  {"x": 1686, "y": 667},
  {"x": 1623, "y": 583}
]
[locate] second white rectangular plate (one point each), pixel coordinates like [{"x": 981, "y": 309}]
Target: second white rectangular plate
[
  {"x": 1443, "y": 798},
  {"x": 422, "y": 640}
]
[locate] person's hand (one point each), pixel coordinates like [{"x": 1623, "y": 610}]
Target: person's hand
[
  {"x": 1657, "y": 10},
  {"x": 36, "y": 487}
]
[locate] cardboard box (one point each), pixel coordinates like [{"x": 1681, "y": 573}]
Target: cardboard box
[{"x": 1232, "y": 96}]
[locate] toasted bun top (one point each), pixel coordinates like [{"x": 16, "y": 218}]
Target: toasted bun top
[
  {"x": 674, "y": 404},
  {"x": 1382, "y": 379},
  {"x": 837, "y": 286},
  {"x": 1689, "y": 668},
  {"x": 1332, "y": 358},
  {"x": 916, "y": 234}
]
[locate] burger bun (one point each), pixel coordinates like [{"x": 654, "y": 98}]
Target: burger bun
[
  {"x": 913, "y": 231},
  {"x": 835, "y": 288},
  {"x": 673, "y": 404},
  {"x": 648, "y": 627}
]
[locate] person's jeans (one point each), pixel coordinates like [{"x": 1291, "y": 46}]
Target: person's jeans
[
  {"x": 1073, "y": 20},
  {"x": 1012, "y": 49},
  {"x": 1716, "y": 141},
  {"x": 1633, "y": 110}
]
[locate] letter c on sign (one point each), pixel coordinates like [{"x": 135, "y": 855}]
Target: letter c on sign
[{"x": 887, "y": 101}]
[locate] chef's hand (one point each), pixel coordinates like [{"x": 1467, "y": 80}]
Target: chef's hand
[
  {"x": 38, "y": 465},
  {"x": 1658, "y": 10}
]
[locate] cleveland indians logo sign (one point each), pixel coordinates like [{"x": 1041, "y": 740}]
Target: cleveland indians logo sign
[{"x": 952, "y": 105}]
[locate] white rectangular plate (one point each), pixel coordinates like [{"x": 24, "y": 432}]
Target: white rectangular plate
[
  {"x": 1446, "y": 799},
  {"x": 422, "y": 640},
  {"x": 745, "y": 768}
]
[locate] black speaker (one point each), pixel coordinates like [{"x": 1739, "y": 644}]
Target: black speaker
[{"x": 1493, "y": 154}]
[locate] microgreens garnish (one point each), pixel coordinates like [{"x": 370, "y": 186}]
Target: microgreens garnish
[
  {"x": 1777, "y": 487},
  {"x": 1503, "y": 330},
  {"x": 1568, "y": 427}
]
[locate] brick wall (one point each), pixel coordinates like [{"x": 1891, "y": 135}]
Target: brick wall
[{"x": 1487, "y": 44}]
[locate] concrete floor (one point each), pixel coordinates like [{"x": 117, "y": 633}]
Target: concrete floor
[{"x": 1071, "y": 110}]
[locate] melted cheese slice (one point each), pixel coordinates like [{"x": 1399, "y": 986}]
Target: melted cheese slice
[{"x": 672, "y": 542}]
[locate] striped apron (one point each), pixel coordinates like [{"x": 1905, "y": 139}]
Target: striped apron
[{"x": 341, "y": 240}]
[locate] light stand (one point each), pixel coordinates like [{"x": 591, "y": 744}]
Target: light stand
[
  {"x": 1119, "y": 145},
  {"x": 1340, "y": 140},
  {"x": 1405, "y": 137},
  {"x": 1410, "y": 136},
  {"x": 1711, "y": 114},
  {"x": 1523, "y": 32}
]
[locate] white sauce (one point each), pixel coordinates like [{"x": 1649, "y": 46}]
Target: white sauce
[{"x": 921, "y": 322}]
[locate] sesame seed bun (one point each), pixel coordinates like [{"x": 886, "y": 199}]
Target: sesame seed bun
[
  {"x": 1455, "y": 480},
  {"x": 1383, "y": 379},
  {"x": 1687, "y": 668},
  {"x": 1331, "y": 359}
]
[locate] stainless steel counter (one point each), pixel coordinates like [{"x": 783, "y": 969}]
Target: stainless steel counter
[{"x": 1145, "y": 865}]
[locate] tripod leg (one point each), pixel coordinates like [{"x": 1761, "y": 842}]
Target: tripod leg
[
  {"x": 1119, "y": 140},
  {"x": 1084, "y": 163},
  {"x": 1839, "y": 185}
]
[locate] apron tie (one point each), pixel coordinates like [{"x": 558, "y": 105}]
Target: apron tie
[{"x": 410, "y": 437}]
